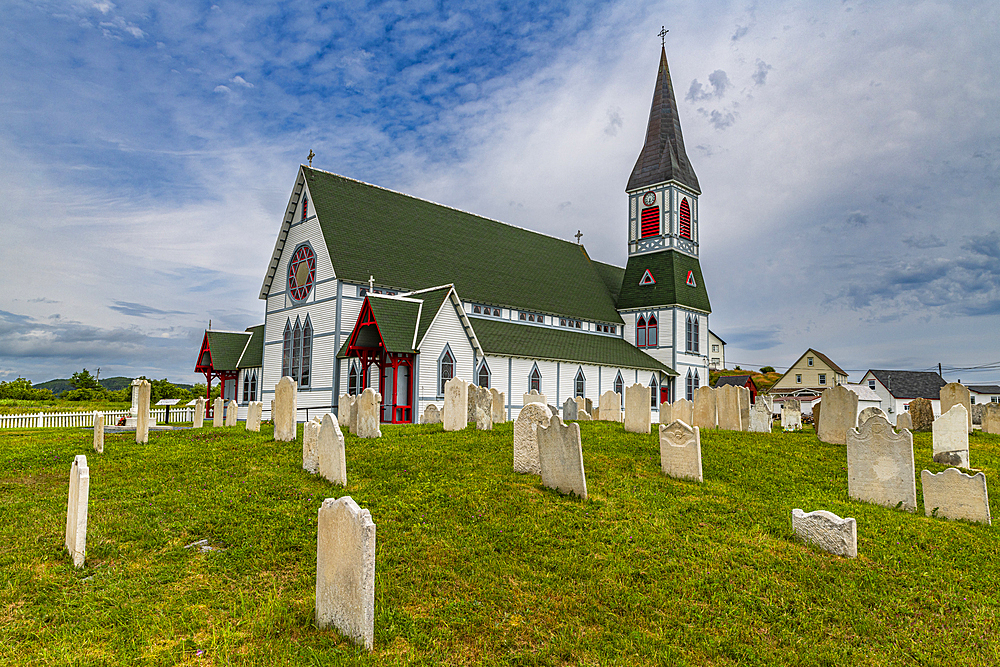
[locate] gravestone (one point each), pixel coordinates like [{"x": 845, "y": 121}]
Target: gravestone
[
  {"x": 345, "y": 403},
  {"x": 951, "y": 439},
  {"x": 367, "y": 406},
  {"x": 744, "y": 394},
  {"x": 218, "y": 412},
  {"x": 582, "y": 416},
  {"x": 611, "y": 406},
  {"x": 431, "y": 415},
  {"x": 815, "y": 416},
  {"x": 99, "y": 432},
  {"x": 665, "y": 413},
  {"x": 254, "y": 411},
  {"x": 683, "y": 410},
  {"x": 330, "y": 450},
  {"x": 840, "y": 414},
  {"x": 283, "y": 410},
  {"x": 534, "y": 397},
  {"x": 953, "y": 394},
  {"x": 526, "y": 437},
  {"x": 903, "y": 421},
  {"x": 199, "y": 413},
  {"x": 132, "y": 418},
  {"x": 570, "y": 410},
  {"x": 977, "y": 413},
  {"x": 142, "y": 418},
  {"x": 345, "y": 570},
  {"x": 560, "y": 457},
  {"x": 499, "y": 406},
  {"x": 791, "y": 415},
  {"x": 310, "y": 446},
  {"x": 760, "y": 417},
  {"x": 865, "y": 414},
  {"x": 482, "y": 407},
  {"x": 952, "y": 494},
  {"x": 471, "y": 407},
  {"x": 585, "y": 404},
  {"x": 991, "y": 418},
  {"x": 680, "y": 451},
  {"x": 456, "y": 398},
  {"x": 827, "y": 531},
  {"x": 638, "y": 417},
  {"x": 727, "y": 405},
  {"x": 921, "y": 414},
  {"x": 553, "y": 409},
  {"x": 232, "y": 412},
  {"x": 76, "y": 510},
  {"x": 880, "y": 466},
  {"x": 596, "y": 414},
  {"x": 705, "y": 408}
]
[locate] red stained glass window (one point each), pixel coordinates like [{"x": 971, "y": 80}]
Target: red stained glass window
[
  {"x": 301, "y": 273},
  {"x": 650, "y": 221},
  {"x": 685, "y": 215}
]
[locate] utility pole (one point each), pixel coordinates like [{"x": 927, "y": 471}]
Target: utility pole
[{"x": 939, "y": 370}]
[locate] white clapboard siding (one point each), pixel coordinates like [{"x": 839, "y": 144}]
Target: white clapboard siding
[{"x": 445, "y": 329}]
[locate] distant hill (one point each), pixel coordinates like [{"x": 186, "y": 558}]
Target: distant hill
[{"x": 111, "y": 384}]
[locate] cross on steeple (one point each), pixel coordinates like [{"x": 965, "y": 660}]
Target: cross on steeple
[
  {"x": 310, "y": 157},
  {"x": 663, "y": 35},
  {"x": 371, "y": 283},
  {"x": 578, "y": 235}
]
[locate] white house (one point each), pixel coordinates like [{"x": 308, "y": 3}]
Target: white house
[
  {"x": 716, "y": 352},
  {"x": 898, "y": 388},
  {"x": 984, "y": 393}
]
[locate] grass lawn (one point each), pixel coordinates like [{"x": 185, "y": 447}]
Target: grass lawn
[{"x": 478, "y": 565}]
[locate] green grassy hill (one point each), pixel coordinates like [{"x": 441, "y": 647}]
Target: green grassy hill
[
  {"x": 476, "y": 564},
  {"x": 111, "y": 384}
]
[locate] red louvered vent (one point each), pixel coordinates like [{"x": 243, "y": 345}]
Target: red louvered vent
[
  {"x": 685, "y": 219},
  {"x": 650, "y": 221}
]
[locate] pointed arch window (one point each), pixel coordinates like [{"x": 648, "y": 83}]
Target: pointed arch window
[
  {"x": 580, "y": 384},
  {"x": 484, "y": 376},
  {"x": 685, "y": 219},
  {"x": 296, "y": 351},
  {"x": 535, "y": 380},
  {"x": 653, "y": 393},
  {"x": 689, "y": 389},
  {"x": 619, "y": 385},
  {"x": 651, "y": 333},
  {"x": 286, "y": 350},
  {"x": 446, "y": 369},
  {"x": 640, "y": 332},
  {"x": 306, "y": 354},
  {"x": 249, "y": 386},
  {"x": 354, "y": 380}
]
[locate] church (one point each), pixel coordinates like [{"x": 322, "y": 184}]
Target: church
[{"x": 368, "y": 287}]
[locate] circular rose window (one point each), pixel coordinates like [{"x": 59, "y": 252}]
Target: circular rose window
[{"x": 301, "y": 272}]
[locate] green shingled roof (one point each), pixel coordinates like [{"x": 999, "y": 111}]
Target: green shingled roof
[
  {"x": 253, "y": 354},
  {"x": 396, "y": 321},
  {"x": 226, "y": 348},
  {"x": 432, "y": 304},
  {"x": 408, "y": 243},
  {"x": 669, "y": 269},
  {"x": 520, "y": 340}
]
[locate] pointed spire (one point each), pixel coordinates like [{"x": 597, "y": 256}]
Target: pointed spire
[{"x": 663, "y": 157}]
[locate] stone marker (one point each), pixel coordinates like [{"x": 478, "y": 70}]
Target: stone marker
[
  {"x": 283, "y": 410},
  {"x": 880, "y": 466},
  {"x": 815, "y": 415},
  {"x": 99, "y": 432},
  {"x": 344, "y": 404},
  {"x": 727, "y": 406},
  {"x": 977, "y": 413},
  {"x": 953, "y": 394},
  {"x": 683, "y": 410},
  {"x": 638, "y": 417},
  {"x": 840, "y": 414},
  {"x": 526, "y": 437},
  {"x": 680, "y": 451},
  {"x": 254, "y": 412},
  {"x": 582, "y": 416},
  {"x": 865, "y": 414},
  {"x": 456, "y": 397},
  {"x": 352, "y": 425},
  {"x": 956, "y": 495},
  {"x": 744, "y": 395},
  {"x": 367, "y": 406},
  {"x": 991, "y": 418},
  {"x": 499, "y": 407},
  {"x": 827, "y": 531},
  {"x": 705, "y": 408},
  {"x": 482, "y": 407},
  {"x": 218, "y": 412},
  {"x": 665, "y": 413},
  {"x": 596, "y": 414},
  {"x": 331, "y": 452},
  {"x": 581, "y": 404},
  {"x": 345, "y": 570},
  {"x": 903, "y": 421},
  {"x": 921, "y": 414},
  {"x": 560, "y": 457},
  {"x": 232, "y": 412},
  {"x": 951, "y": 439},
  {"x": 553, "y": 409},
  {"x": 611, "y": 406},
  {"x": 132, "y": 418},
  {"x": 310, "y": 446},
  {"x": 142, "y": 418},
  {"x": 199, "y": 413},
  {"x": 471, "y": 404},
  {"x": 570, "y": 410},
  {"x": 76, "y": 510},
  {"x": 791, "y": 415},
  {"x": 760, "y": 417},
  {"x": 534, "y": 397},
  {"x": 431, "y": 415}
]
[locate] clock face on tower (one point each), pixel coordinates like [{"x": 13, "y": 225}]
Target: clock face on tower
[
  {"x": 301, "y": 272},
  {"x": 649, "y": 198}
]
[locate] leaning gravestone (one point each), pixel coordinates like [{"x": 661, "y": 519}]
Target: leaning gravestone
[
  {"x": 431, "y": 415},
  {"x": 791, "y": 415},
  {"x": 921, "y": 414},
  {"x": 880, "y": 466},
  {"x": 534, "y": 397},
  {"x": 310, "y": 449},
  {"x": 680, "y": 451},
  {"x": 705, "y": 408},
  {"x": 840, "y": 414},
  {"x": 142, "y": 418},
  {"x": 991, "y": 418},
  {"x": 456, "y": 398},
  {"x": 727, "y": 405},
  {"x": 744, "y": 394},
  {"x": 367, "y": 406},
  {"x": 254, "y": 411},
  {"x": 954, "y": 495},
  {"x": 760, "y": 417},
  {"x": 903, "y": 421},
  {"x": 637, "y": 414},
  {"x": 611, "y": 406},
  {"x": 683, "y": 410},
  {"x": 953, "y": 394},
  {"x": 526, "y": 437},
  {"x": 570, "y": 410},
  {"x": 868, "y": 413},
  {"x": 76, "y": 510},
  {"x": 199, "y": 413},
  {"x": 951, "y": 439},
  {"x": 498, "y": 408},
  {"x": 218, "y": 412},
  {"x": 345, "y": 570},
  {"x": 232, "y": 412},
  {"x": 99, "y": 432},
  {"x": 283, "y": 412},
  {"x": 827, "y": 531},
  {"x": 560, "y": 457},
  {"x": 330, "y": 450}
]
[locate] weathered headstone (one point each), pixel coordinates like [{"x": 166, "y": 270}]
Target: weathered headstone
[
  {"x": 954, "y": 495},
  {"x": 680, "y": 451},
  {"x": 611, "y": 406},
  {"x": 827, "y": 531},
  {"x": 482, "y": 407},
  {"x": 727, "y": 405},
  {"x": 431, "y": 415},
  {"x": 553, "y": 409},
  {"x": 471, "y": 416},
  {"x": 76, "y": 510},
  {"x": 254, "y": 411},
  {"x": 456, "y": 397},
  {"x": 99, "y": 432},
  {"x": 951, "y": 439},
  {"x": 218, "y": 412},
  {"x": 585, "y": 404},
  {"x": 283, "y": 410},
  {"x": 368, "y": 409},
  {"x": 921, "y": 414},
  {"x": 791, "y": 415},
  {"x": 815, "y": 415},
  {"x": 681, "y": 409},
  {"x": 199, "y": 413},
  {"x": 705, "y": 408},
  {"x": 744, "y": 396},
  {"x": 977, "y": 413},
  {"x": 232, "y": 412},
  {"x": 534, "y": 397},
  {"x": 142, "y": 418},
  {"x": 665, "y": 413},
  {"x": 991, "y": 418},
  {"x": 867, "y": 413},
  {"x": 638, "y": 418},
  {"x": 345, "y": 403},
  {"x": 760, "y": 417},
  {"x": 880, "y": 466},
  {"x": 526, "y": 437},
  {"x": 903, "y": 421},
  {"x": 582, "y": 416},
  {"x": 310, "y": 446},
  {"x": 560, "y": 457},
  {"x": 596, "y": 414},
  {"x": 570, "y": 410},
  {"x": 345, "y": 570},
  {"x": 953, "y": 394},
  {"x": 840, "y": 414},
  {"x": 499, "y": 406},
  {"x": 331, "y": 452}
]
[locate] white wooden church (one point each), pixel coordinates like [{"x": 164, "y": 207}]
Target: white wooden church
[{"x": 349, "y": 307}]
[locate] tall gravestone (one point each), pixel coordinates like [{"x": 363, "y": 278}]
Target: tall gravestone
[
  {"x": 331, "y": 452},
  {"x": 868, "y": 413},
  {"x": 284, "y": 410},
  {"x": 680, "y": 451},
  {"x": 534, "y": 396},
  {"x": 991, "y": 418},
  {"x": 310, "y": 446},
  {"x": 953, "y": 394},
  {"x": 368, "y": 409},
  {"x": 903, "y": 421},
  {"x": 744, "y": 396},
  {"x": 880, "y": 466},
  {"x": 611, "y": 406},
  {"x": 456, "y": 397},
  {"x": 570, "y": 410},
  {"x": 142, "y": 418},
  {"x": 638, "y": 418},
  {"x": 345, "y": 570},
  {"x": 560, "y": 457},
  {"x": 345, "y": 404},
  {"x": 681, "y": 409},
  {"x": 705, "y": 408},
  {"x": 482, "y": 407},
  {"x": 526, "y": 437},
  {"x": 760, "y": 417},
  {"x": 840, "y": 414},
  {"x": 827, "y": 531},
  {"x": 727, "y": 407},
  {"x": 99, "y": 432},
  {"x": 254, "y": 412},
  {"x": 77, "y": 507},
  {"x": 232, "y": 412},
  {"x": 431, "y": 415},
  {"x": 471, "y": 416},
  {"x": 791, "y": 415},
  {"x": 131, "y": 419},
  {"x": 218, "y": 412},
  {"x": 498, "y": 407},
  {"x": 921, "y": 414},
  {"x": 199, "y": 413},
  {"x": 951, "y": 439},
  {"x": 954, "y": 495}
]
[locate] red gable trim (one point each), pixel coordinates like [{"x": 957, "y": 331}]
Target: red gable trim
[
  {"x": 365, "y": 318},
  {"x": 200, "y": 367}
]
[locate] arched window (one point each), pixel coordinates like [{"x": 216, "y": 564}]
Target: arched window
[
  {"x": 305, "y": 207},
  {"x": 580, "y": 384},
  {"x": 691, "y": 334},
  {"x": 307, "y": 337},
  {"x": 246, "y": 387},
  {"x": 653, "y": 393},
  {"x": 286, "y": 350},
  {"x": 484, "y": 375},
  {"x": 619, "y": 385},
  {"x": 651, "y": 336},
  {"x": 685, "y": 218},
  {"x": 446, "y": 369},
  {"x": 535, "y": 380},
  {"x": 640, "y": 332},
  {"x": 354, "y": 380},
  {"x": 650, "y": 221},
  {"x": 696, "y": 345},
  {"x": 689, "y": 393},
  {"x": 253, "y": 386},
  {"x": 296, "y": 349},
  {"x": 697, "y": 380}
]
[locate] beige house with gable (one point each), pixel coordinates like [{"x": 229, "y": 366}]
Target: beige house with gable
[{"x": 807, "y": 378}]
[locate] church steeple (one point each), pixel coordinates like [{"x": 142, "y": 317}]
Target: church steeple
[{"x": 663, "y": 158}]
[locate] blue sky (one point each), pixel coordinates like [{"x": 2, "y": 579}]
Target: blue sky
[{"x": 848, "y": 152}]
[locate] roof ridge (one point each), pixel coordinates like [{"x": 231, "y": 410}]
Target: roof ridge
[
  {"x": 227, "y": 331},
  {"x": 397, "y": 297}
]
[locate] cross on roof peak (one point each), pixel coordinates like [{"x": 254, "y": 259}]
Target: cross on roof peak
[
  {"x": 578, "y": 236},
  {"x": 310, "y": 157},
  {"x": 371, "y": 282},
  {"x": 663, "y": 35}
]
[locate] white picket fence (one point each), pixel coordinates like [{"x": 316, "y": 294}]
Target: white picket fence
[{"x": 86, "y": 419}]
